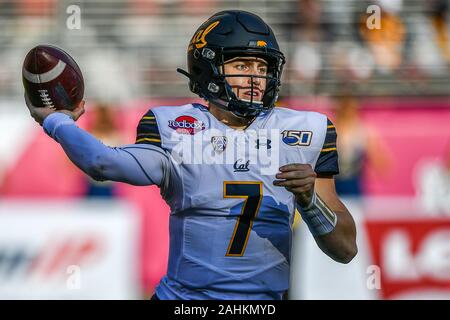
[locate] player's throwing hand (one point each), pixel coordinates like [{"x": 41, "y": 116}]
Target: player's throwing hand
[
  {"x": 40, "y": 113},
  {"x": 299, "y": 179}
]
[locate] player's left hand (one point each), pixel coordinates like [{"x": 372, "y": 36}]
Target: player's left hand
[{"x": 299, "y": 179}]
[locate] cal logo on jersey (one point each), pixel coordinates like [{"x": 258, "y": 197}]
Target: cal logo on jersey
[
  {"x": 296, "y": 138},
  {"x": 187, "y": 125},
  {"x": 241, "y": 165}
]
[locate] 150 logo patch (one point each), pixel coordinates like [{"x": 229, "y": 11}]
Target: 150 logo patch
[{"x": 297, "y": 138}]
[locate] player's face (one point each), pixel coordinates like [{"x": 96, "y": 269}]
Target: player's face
[{"x": 247, "y": 66}]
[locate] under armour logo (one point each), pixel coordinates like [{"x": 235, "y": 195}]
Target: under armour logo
[{"x": 263, "y": 143}]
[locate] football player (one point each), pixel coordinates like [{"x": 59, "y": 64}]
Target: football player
[{"x": 230, "y": 225}]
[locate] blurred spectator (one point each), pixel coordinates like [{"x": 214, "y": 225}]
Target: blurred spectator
[
  {"x": 6, "y": 9},
  {"x": 111, "y": 75},
  {"x": 105, "y": 129},
  {"x": 357, "y": 145},
  {"x": 144, "y": 7},
  {"x": 36, "y": 7},
  {"x": 141, "y": 25},
  {"x": 319, "y": 38},
  {"x": 432, "y": 181},
  {"x": 439, "y": 18},
  {"x": 430, "y": 48},
  {"x": 198, "y": 7},
  {"x": 387, "y": 42},
  {"x": 351, "y": 62},
  {"x": 307, "y": 59}
]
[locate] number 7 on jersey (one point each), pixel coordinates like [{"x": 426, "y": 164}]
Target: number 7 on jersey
[{"x": 251, "y": 191}]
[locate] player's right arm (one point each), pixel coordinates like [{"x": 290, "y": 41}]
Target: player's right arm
[{"x": 137, "y": 164}]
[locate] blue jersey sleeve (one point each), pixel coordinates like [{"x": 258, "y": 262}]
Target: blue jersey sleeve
[
  {"x": 135, "y": 164},
  {"x": 327, "y": 164}
]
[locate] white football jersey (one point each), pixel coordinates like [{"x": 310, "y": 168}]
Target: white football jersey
[{"x": 230, "y": 227}]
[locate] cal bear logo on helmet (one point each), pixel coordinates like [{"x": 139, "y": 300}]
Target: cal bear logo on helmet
[
  {"x": 187, "y": 125},
  {"x": 199, "y": 39}
]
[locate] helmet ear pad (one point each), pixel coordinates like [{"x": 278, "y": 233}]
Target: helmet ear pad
[{"x": 201, "y": 73}]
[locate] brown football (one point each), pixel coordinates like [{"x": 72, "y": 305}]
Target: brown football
[{"x": 52, "y": 78}]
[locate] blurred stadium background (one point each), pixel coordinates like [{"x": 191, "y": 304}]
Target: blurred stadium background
[{"x": 386, "y": 88}]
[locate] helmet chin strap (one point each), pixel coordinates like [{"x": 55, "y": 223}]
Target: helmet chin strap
[
  {"x": 234, "y": 105},
  {"x": 224, "y": 105}
]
